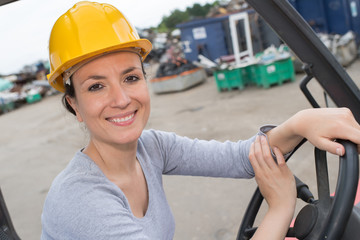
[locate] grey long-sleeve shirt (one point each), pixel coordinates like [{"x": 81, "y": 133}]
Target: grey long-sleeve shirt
[{"x": 83, "y": 204}]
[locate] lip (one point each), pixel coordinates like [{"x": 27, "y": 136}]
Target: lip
[{"x": 125, "y": 119}]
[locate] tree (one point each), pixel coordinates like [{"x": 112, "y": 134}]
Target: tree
[
  {"x": 168, "y": 23},
  {"x": 175, "y": 18},
  {"x": 196, "y": 10}
]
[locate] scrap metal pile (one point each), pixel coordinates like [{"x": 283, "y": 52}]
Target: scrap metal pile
[{"x": 28, "y": 87}]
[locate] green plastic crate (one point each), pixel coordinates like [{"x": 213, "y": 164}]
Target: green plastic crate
[
  {"x": 250, "y": 73},
  {"x": 6, "y": 107},
  {"x": 230, "y": 79},
  {"x": 276, "y": 72},
  {"x": 31, "y": 98}
]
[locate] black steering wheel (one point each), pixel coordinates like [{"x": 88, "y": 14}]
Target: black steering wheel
[{"x": 325, "y": 218}]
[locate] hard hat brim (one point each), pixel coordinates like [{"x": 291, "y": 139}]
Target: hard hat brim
[{"x": 56, "y": 80}]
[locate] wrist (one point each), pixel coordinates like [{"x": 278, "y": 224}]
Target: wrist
[
  {"x": 274, "y": 225},
  {"x": 295, "y": 124},
  {"x": 300, "y": 122},
  {"x": 283, "y": 213}
]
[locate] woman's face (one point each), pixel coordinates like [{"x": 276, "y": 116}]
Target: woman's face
[{"x": 112, "y": 98}]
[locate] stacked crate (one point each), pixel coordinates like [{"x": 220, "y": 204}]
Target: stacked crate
[
  {"x": 228, "y": 79},
  {"x": 273, "y": 73},
  {"x": 260, "y": 74}
]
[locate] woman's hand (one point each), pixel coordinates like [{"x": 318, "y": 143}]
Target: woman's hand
[
  {"x": 277, "y": 185},
  {"x": 320, "y": 127}
]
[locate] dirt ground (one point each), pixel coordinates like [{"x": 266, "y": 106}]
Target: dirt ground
[{"x": 38, "y": 140}]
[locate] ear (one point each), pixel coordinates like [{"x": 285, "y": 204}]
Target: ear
[{"x": 72, "y": 102}]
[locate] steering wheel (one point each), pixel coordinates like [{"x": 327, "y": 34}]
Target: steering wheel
[{"x": 325, "y": 218}]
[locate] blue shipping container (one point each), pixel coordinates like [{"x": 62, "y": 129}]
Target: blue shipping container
[
  {"x": 354, "y": 16},
  {"x": 211, "y": 37},
  {"x": 313, "y": 12},
  {"x": 207, "y": 37},
  {"x": 330, "y": 16}
]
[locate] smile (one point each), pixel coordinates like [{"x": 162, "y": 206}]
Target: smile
[{"x": 122, "y": 120}]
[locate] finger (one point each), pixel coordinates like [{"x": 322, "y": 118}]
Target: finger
[
  {"x": 259, "y": 153},
  {"x": 330, "y": 146},
  {"x": 351, "y": 128},
  {"x": 268, "y": 158},
  {"x": 336, "y": 148},
  {"x": 279, "y": 156},
  {"x": 349, "y": 132},
  {"x": 252, "y": 158}
]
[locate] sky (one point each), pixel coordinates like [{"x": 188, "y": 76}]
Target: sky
[{"x": 25, "y": 25}]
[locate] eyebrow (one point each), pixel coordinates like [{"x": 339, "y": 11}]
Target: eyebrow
[
  {"x": 130, "y": 69},
  {"x": 95, "y": 77},
  {"x": 99, "y": 77}
]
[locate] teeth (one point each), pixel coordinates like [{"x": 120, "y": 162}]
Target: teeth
[{"x": 124, "y": 119}]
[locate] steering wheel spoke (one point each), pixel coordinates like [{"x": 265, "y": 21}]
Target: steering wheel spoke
[{"x": 322, "y": 177}]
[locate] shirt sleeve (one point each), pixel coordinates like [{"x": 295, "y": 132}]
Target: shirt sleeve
[
  {"x": 263, "y": 130},
  {"x": 184, "y": 156}
]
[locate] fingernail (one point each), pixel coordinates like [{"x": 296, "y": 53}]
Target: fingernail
[{"x": 339, "y": 151}]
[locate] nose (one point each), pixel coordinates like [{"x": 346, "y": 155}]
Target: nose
[{"x": 119, "y": 97}]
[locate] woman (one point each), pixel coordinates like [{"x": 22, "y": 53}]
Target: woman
[{"x": 112, "y": 188}]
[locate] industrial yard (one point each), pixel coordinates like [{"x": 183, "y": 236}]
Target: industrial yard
[
  {"x": 38, "y": 140},
  {"x": 212, "y": 85}
]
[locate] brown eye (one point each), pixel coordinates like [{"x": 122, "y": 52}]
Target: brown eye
[
  {"x": 132, "y": 78},
  {"x": 95, "y": 87}
]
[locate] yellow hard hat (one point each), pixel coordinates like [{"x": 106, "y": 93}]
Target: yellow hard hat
[{"x": 87, "y": 30}]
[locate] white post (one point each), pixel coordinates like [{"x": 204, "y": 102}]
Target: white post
[{"x": 235, "y": 41}]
